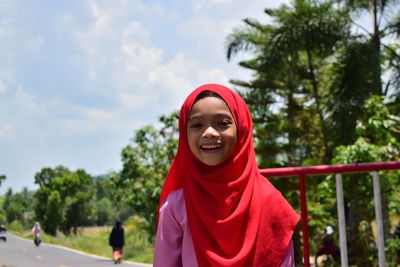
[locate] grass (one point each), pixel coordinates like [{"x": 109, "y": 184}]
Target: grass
[{"x": 94, "y": 240}]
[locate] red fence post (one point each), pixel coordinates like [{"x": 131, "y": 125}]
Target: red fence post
[{"x": 304, "y": 220}]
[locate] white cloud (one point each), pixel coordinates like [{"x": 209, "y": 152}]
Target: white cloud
[
  {"x": 108, "y": 14},
  {"x": 206, "y": 31},
  {"x": 26, "y": 102},
  {"x": 139, "y": 59},
  {"x": 5, "y": 3},
  {"x": 201, "y": 26},
  {"x": 4, "y": 27},
  {"x": 118, "y": 51},
  {"x": 35, "y": 43},
  {"x": 134, "y": 101},
  {"x": 178, "y": 77},
  {"x": 86, "y": 121},
  {"x": 6, "y": 132},
  {"x": 200, "y": 5},
  {"x": 222, "y": 1},
  {"x": 3, "y": 87},
  {"x": 212, "y": 75},
  {"x": 96, "y": 122},
  {"x": 135, "y": 31},
  {"x": 174, "y": 80}
]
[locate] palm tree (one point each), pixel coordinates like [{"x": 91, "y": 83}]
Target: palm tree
[
  {"x": 385, "y": 21},
  {"x": 289, "y": 57}
]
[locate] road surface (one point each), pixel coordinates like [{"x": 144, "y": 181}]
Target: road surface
[{"x": 18, "y": 252}]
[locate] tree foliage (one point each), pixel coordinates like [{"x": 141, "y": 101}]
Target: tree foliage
[
  {"x": 64, "y": 200},
  {"x": 146, "y": 161},
  {"x": 16, "y": 206}
]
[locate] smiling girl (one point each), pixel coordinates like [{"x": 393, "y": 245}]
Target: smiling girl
[{"x": 216, "y": 209}]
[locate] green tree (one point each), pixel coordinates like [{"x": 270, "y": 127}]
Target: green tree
[
  {"x": 362, "y": 63},
  {"x": 53, "y": 214},
  {"x": 7, "y": 199},
  {"x": 145, "y": 164},
  {"x": 16, "y": 206},
  {"x": 45, "y": 178},
  {"x": 79, "y": 207},
  {"x": 75, "y": 197},
  {"x": 41, "y": 199},
  {"x": 105, "y": 212},
  {"x": 385, "y": 20},
  {"x": 349, "y": 86}
]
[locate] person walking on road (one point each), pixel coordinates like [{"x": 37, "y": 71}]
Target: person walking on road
[{"x": 117, "y": 240}]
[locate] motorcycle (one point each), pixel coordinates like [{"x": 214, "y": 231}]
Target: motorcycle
[{"x": 37, "y": 240}]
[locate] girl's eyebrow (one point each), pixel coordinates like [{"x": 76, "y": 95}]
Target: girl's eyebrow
[{"x": 221, "y": 114}]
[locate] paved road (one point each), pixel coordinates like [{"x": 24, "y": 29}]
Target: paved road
[{"x": 18, "y": 252}]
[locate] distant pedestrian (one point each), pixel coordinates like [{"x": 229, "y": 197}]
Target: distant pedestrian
[{"x": 117, "y": 240}]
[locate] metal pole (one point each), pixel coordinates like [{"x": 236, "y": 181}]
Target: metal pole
[
  {"x": 378, "y": 218},
  {"x": 342, "y": 220},
  {"x": 304, "y": 220}
]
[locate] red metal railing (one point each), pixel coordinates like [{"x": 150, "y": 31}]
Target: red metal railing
[{"x": 303, "y": 172}]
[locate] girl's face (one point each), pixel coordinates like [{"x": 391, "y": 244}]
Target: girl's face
[{"x": 211, "y": 131}]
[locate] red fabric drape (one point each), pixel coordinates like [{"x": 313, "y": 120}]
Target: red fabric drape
[{"x": 236, "y": 217}]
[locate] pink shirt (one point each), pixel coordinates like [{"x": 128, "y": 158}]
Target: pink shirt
[
  {"x": 174, "y": 245},
  {"x": 36, "y": 229}
]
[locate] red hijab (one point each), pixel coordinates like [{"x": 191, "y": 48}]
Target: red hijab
[{"x": 235, "y": 215}]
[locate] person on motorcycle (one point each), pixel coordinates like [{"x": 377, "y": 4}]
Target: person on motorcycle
[{"x": 36, "y": 229}]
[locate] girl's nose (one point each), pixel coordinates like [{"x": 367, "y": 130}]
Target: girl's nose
[{"x": 210, "y": 132}]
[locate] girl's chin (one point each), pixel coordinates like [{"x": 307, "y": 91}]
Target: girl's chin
[{"x": 211, "y": 161}]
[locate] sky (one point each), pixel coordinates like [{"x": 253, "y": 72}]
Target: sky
[{"x": 78, "y": 77}]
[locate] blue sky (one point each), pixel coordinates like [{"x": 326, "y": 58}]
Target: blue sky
[{"x": 78, "y": 77}]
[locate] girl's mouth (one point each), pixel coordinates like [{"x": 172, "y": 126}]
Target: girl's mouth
[{"x": 210, "y": 147}]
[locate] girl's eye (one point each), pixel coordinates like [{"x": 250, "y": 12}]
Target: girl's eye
[
  {"x": 224, "y": 123},
  {"x": 195, "y": 125}
]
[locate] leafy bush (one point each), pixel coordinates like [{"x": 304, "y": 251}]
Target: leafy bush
[
  {"x": 137, "y": 240},
  {"x": 16, "y": 226}
]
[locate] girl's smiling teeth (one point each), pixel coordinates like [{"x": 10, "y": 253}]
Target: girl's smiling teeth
[{"x": 209, "y": 147}]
